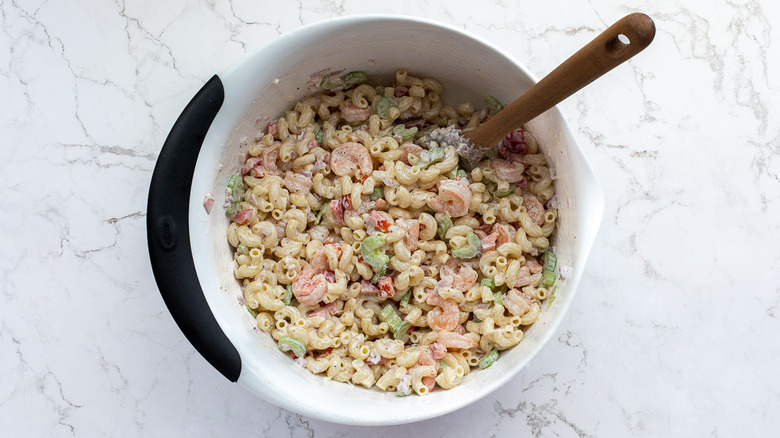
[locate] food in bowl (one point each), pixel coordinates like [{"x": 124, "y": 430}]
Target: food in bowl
[{"x": 368, "y": 250}]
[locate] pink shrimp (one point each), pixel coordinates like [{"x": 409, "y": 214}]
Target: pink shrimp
[
  {"x": 250, "y": 164},
  {"x": 326, "y": 311},
  {"x": 454, "y": 197},
  {"x": 309, "y": 291},
  {"x": 460, "y": 274},
  {"x": 353, "y": 114},
  {"x": 533, "y": 266},
  {"x": 517, "y": 302},
  {"x": 489, "y": 242},
  {"x": 455, "y": 340},
  {"x": 412, "y": 228},
  {"x": 438, "y": 351},
  {"x": 505, "y": 234},
  {"x": 534, "y": 208},
  {"x": 523, "y": 277},
  {"x": 270, "y": 155},
  {"x": 311, "y": 284},
  {"x": 446, "y": 314},
  {"x": 511, "y": 172},
  {"x": 427, "y": 360},
  {"x": 297, "y": 183},
  {"x": 347, "y": 158},
  {"x": 243, "y": 216},
  {"x": 409, "y": 149}
]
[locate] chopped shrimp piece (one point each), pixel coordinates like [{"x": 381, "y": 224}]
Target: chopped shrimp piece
[
  {"x": 505, "y": 234},
  {"x": 446, "y": 314},
  {"x": 533, "y": 266},
  {"x": 409, "y": 149},
  {"x": 461, "y": 275},
  {"x": 517, "y": 302},
  {"x": 523, "y": 277},
  {"x": 455, "y": 340},
  {"x": 454, "y": 198},
  {"x": 347, "y": 158},
  {"x": 438, "y": 351},
  {"x": 353, "y": 114},
  {"x": 460, "y": 329},
  {"x": 311, "y": 284},
  {"x": 309, "y": 291},
  {"x": 297, "y": 183},
  {"x": 250, "y": 164},
  {"x": 489, "y": 242},
  {"x": 412, "y": 228},
  {"x": 426, "y": 360},
  {"x": 534, "y": 208},
  {"x": 326, "y": 311},
  {"x": 511, "y": 172},
  {"x": 243, "y": 216},
  {"x": 268, "y": 166},
  {"x": 446, "y": 318}
]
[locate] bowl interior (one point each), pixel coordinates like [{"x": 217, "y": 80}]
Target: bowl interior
[{"x": 267, "y": 83}]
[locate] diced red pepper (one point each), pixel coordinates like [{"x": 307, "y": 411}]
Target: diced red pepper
[
  {"x": 386, "y": 288},
  {"x": 379, "y": 221},
  {"x": 273, "y": 128}
]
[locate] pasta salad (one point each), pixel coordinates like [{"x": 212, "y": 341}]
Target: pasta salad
[{"x": 373, "y": 254}]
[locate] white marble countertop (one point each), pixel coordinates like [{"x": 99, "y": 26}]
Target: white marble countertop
[{"x": 675, "y": 330}]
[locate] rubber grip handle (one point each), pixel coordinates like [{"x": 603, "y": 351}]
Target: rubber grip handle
[{"x": 167, "y": 226}]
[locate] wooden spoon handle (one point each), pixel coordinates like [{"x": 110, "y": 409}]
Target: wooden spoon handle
[{"x": 611, "y": 48}]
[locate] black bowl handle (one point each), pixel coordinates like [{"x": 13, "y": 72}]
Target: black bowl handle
[{"x": 168, "y": 234}]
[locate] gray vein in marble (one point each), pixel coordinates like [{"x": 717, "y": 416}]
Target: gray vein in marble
[
  {"x": 772, "y": 310},
  {"x": 746, "y": 94},
  {"x": 113, "y": 372},
  {"x": 699, "y": 45},
  {"x": 297, "y": 423},
  {"x": 155, "y": 39},
  {"x": 572, "y": 340},
  {"x": 276, "y": 26},
  {"x": 539, "y": 417}
]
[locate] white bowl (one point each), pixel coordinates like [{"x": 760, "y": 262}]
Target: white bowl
[{"x": 265, "y": 84}]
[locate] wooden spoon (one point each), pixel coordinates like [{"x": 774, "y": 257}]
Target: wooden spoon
[{"x": 614, "y": 46}]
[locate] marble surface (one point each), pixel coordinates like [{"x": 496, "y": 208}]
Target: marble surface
[{"x": 675, "y": 329}]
